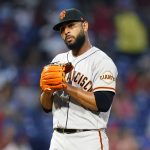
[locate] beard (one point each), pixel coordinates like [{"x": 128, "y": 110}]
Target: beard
[{"x": 78, "y": 42}]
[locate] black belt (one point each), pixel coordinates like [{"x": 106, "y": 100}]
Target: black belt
[{"x": 69, "y": 131}]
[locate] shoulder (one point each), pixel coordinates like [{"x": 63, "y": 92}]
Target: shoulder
[
  {"x": 102, "y": 59},
  {"x": 101, "y": 55},
  {"x": 62, "y": 57}
]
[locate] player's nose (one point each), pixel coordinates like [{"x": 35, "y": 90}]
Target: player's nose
[{"x": 66, "y": 30}]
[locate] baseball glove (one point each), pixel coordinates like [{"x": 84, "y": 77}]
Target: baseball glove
[{"x": 53, "y": 76}]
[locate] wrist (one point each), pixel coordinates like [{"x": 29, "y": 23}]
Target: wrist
[
  {"x": 68, "y": 87},
  {"x": 46, "y": 100},
  {"x": 47, "y": 94},
  {"x": 71, "y": 90}
]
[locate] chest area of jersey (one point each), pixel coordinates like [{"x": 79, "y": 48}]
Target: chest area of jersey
[{"x": 81, "y": 75}]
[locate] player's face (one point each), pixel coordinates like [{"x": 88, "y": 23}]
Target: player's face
[{"x": 73, "y": 35}]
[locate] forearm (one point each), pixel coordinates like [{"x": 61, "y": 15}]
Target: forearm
[
  {"x": 46, "y": 100},
  {"x": 87, "y": 99}
]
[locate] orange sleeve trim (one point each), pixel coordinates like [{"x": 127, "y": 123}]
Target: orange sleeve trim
[
  {"x": 107, "y": 88},
  {"x": 100, "y": 139}
]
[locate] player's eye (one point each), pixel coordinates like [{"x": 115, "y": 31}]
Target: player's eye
[
  {"x": 70, "y": 26},
  {"x": 62, "y": 29}
]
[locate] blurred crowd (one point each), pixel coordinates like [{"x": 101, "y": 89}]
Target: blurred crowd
[{"x": 121, "y": 28}]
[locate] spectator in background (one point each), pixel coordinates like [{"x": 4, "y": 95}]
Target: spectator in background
[
  {"x": 102, "y": 25},
  {"x": 9, "y": 142},
  {"x": 127, "y": 141},
  {"x": 132, "y": 37}
]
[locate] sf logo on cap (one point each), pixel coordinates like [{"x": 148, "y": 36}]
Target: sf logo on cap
[{"x": 62, "y": 14}]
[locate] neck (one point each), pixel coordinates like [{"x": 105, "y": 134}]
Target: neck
[{"x": 86, "y": 46}]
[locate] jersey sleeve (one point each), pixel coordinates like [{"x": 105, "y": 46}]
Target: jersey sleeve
[
  {"x": 56, "y": 58},
  {"x": 104, "y": 76},
  {"x": 61, "y": 58}
]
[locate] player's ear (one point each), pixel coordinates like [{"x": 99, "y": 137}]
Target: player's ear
[{"x": 85, "y": 26}]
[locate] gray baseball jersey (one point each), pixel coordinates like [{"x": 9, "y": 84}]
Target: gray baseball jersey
[{"x": 93, "y": 71}]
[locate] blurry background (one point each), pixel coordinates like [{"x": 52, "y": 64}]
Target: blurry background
[{"x": 121, "y": 28}]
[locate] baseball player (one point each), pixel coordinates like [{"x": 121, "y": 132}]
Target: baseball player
[{"x": 80, "y": 96}]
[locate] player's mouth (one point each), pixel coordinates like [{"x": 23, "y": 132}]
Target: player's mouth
[{"x": 69, "y": 39}]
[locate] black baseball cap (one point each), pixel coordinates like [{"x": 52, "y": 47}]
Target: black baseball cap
[{"x": 68, "y": 15}]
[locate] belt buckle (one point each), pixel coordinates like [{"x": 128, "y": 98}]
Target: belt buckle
[{"x": 79, "y": 130}]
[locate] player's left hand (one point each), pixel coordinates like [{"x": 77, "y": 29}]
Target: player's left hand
[{"x": 53, "y": 76}]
